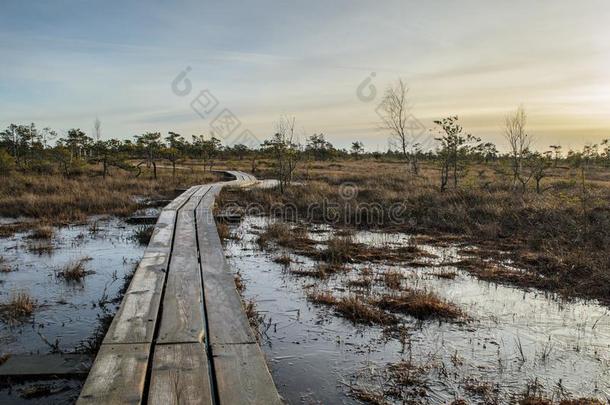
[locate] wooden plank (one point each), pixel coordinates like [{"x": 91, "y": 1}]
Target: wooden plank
[
  {"x": 227, "y": 322},
  {"x": 180, "y": 364},
  {"x": 181, "y": 199},
  {"x": 119, "y": 370},
  {"x": 180, "y": 375},
  {"x": 117, "y": 375},
  {"x": 183, "y": 316},
  {"x": 137, "y": 316},
  {"x": 242, "y": 376},
  {"x": 161, "y": 239}
]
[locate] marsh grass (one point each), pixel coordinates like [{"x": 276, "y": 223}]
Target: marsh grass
[
  {"x": 74, "y": 271},
  {"x": 21, "y": 305},
  {"x": 42, "y": 232},
  {"x": 224, "y": 232},
  {"x": 239, "y": 283},
  {"x": 4, "y": 266},
  {"x": 393, "y": 279},
  {"x": 320, "y": 270},
  {"x": 285, "y": 235},
  {"x": 143, "y": 233},
  {"x": 40, "y": 246},
  {"x": 361, "y": 282},
  {"x": 404, "y": 382},
  {"x": 352, "y": 307},
  {"x": 421, "y": 305},
  {"x": 254, "y": 317},
  {"x": 445, "y": 274},
  {"x": 283, "y": 259},
  {"x": 548, "y": 234},
  {"x": 338, "y": 249}
]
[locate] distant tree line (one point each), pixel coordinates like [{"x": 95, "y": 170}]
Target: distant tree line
[{"x": 26, "y": 148}]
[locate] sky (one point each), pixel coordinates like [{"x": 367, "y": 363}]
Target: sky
[{"x": 66, "y": 62}]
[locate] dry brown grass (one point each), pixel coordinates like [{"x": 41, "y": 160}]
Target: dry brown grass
[
  {"x": 41, "y": 247},
  {"x": 284, "y": 260},
  {"x": 538, "y": 400},
  {"x": 445, "y": 274},
  {"x": 20, "y": 306},
  {"x": 59, "y": 200},
  {"x": 254, "y": 318},
  {"x": 4, "y": 266},
  {"x": 405, "y": 373},
  {"x": 285, "y": 235},
  {"x": 362, "y": 282},
  {"x": 419, "y": 304},
  {"x": 353, "y": 308},
  {"x": 42, "y": 232},
  {"x": 223, "y": 230},
  {"x": 569, "y": 244},
  {"x": 402, "y": 382},
  {"x": 320, "y": 270},
  {"x": 482, "y": 389},
  {"x": 393, "y": 279},
  {"x": 338, "y": 250},
  {"x": 239, "y": 283},
  {"x": 368, "y": 396},
  {"x": 74, "y": 271}
]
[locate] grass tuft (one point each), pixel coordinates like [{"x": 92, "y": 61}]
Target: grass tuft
[
  {"x": 284, "y": 260},
  {"x": 392, "y": 279},
  {"x": 74, "y": 271},
  {"x": 223, "y": 230},
  {"x": 20, "y": 306},
  {"x": 143, "y": 234},
  {"x": 353, "y": 308},
  {"x": 419, "y": 304},
  {"x": 42, "y": 232}
]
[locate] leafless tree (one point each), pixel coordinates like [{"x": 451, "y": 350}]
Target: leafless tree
[
  {"x": 519, "y": 141},
  {"x": 284, "y": 147},
  {"x": 395, "y": 118}
]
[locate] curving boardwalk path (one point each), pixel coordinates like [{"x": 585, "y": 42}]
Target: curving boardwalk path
[{"x": 180, "y": 335}]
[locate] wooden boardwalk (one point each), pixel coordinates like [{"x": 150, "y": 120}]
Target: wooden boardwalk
[{"x": 180, "y": 335}]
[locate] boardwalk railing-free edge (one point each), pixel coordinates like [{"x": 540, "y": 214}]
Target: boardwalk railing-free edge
[{"x": 180, "y": 335}]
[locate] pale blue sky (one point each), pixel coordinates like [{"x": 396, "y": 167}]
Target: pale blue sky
[{"x": 64, "y": 62}]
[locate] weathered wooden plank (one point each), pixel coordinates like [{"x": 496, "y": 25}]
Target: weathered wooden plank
[
  {"x": 227, "y": 322},
  {"x": 180, "y": 365},
  {"x": 183, "y": 316},
  {"x": 161, "y": 239},
  {"x": 181, "y": 199},
  {"x": 136, "y": 318},
  {"x": 119, "y": 372},
  {"x": 180, "y": 375},
  {"x": 242, "y": 376}
]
